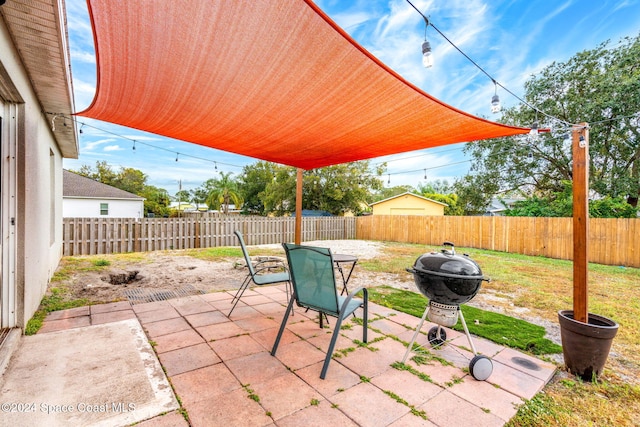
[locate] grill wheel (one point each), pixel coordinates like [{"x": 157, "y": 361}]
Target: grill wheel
[{"x": 434, "y": 339}]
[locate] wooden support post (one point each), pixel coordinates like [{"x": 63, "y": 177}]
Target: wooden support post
[
  {"x": 580, "y": 142},
  {"x": 298, "y": 232}
]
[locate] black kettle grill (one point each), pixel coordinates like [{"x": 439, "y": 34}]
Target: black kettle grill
[{"x": 448, "y": 280}]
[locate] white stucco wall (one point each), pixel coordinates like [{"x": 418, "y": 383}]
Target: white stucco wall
[
  {"x": 90, "y": 208},
  {"x": 38, "y": 220}
]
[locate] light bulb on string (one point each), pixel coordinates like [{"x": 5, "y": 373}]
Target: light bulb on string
[
  {"x": 177, "y": 156},
  {"x": 495, "y": 100},
  {"x": 389, "y": 180},
  {"x": 425, "y": 174},
  {"x": 427, "y": 55},
  {"x": 533, "y": 133},
  {"x": 134, "y": 145}
]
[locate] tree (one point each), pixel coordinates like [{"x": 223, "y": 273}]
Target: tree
[
  {"x": 561, "y": 205},
  {"x": 102, "y": 173},
  {"x": 451, "y": 200},
  {"x": 222, "y": 192},
  {"x": 131, "y": 180},
  {"x": 336, "y": 189},
  {"x": 438, "y": 187},
  {"x": 474, "y": 194},
  {"x": 156, "y": 201},
  {"x": 198, "y": 196},
  {"x": 252, "y": 184},
  {"x": 183, "y": 196},
  {"x": 599, "y": 86}
]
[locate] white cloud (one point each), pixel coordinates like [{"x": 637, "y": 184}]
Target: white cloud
[
  {"x": 83, "y": 56},
  {"x": 350, "y": 21},
  {"x": 83, "y": 92},
  {"x": 113, "y": 148},
  {"x": 92, "y": 145}
]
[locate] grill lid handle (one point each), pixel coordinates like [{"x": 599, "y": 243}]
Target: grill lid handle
[{"x": 451, "y": 251}]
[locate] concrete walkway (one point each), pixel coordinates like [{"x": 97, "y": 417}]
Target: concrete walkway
[{"x": 223, "y": 374}]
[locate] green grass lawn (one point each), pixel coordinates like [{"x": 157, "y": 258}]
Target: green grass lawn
[{"x": 501, "y": 329}]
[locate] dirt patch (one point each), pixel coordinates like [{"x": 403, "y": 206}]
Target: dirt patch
[
  {"x": 168, "y": 271},
  {"x": 159, "y": 271}
]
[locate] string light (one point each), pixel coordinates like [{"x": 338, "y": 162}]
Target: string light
[
  {"x": 581, "y": 142},
  {"x": 134, "y": 145},
  {"x": 483, "y": 70},
  {"x": 422, "y": 170},
  {"x": 427, "y": 55},
  {"x": 533, "y": 133},
  {"x": 82, "y": 124},
  {"x": 495, "y": 100}
]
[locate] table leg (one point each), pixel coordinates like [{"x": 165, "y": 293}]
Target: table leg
[{"x": 345, "y": 281}]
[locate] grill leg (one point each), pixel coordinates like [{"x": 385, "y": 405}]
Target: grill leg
[
  {"x": 415, "y": 335},
  {"x": 466, "y": 331}
]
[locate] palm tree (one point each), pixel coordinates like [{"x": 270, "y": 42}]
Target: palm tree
[{"x": 223, "y": 191}]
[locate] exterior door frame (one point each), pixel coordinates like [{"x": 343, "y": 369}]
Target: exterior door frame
[{"x": 8, "y": 216}]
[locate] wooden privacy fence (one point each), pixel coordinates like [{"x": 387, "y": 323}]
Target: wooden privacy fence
[
  {"x": 611, "y": 241},
  {"x": 92, "y": 236}
]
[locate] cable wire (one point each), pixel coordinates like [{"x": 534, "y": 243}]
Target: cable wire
[
  {"x": 136, "y": 141},
  {"x": 428, "y": 22}
]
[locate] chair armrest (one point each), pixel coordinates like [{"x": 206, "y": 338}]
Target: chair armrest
[
  {"x": 273, "y": 263},
  {"x": 352, "y": 294}
]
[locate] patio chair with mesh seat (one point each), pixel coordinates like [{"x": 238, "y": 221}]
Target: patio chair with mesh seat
[
  {"x": 259, "y": 273},
  {"x": 314, "y": 288}
]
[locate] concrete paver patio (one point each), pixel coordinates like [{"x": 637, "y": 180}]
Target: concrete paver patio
[{"x": 223, "y": 374}]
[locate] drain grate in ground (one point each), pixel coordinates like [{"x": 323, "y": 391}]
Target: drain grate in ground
[{"x": 141, "y": 295}]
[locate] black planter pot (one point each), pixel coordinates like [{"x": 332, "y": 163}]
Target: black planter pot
[{"x": 586, "y": 346}]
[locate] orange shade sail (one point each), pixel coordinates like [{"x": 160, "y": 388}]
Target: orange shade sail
[{"x": 276, "y": 80}]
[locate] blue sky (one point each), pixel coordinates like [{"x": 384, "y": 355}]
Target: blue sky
[{"x": 511, "y": 39}]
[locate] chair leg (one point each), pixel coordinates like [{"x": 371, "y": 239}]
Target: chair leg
[
  {"x": 365, "y": 317},
  {"x": 239, "y": 294},
  {"x": 289, "y": 289},
  {"x": 332, "y": 344},
  {"x": 243, "y": 285},
  {"x": 282, "y": 326}
]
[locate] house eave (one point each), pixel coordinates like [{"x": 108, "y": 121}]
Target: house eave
[
  {"x": 38, "y": 29},
  {"x": 131, "y": 199},
  {"x": 410, "y": 194}
]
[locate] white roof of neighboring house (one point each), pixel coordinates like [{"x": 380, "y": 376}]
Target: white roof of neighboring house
[
  {"x": 498, "y": 205},
  {"x": 410, "y": 194},
  {"x": 78, "y": 186}
]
